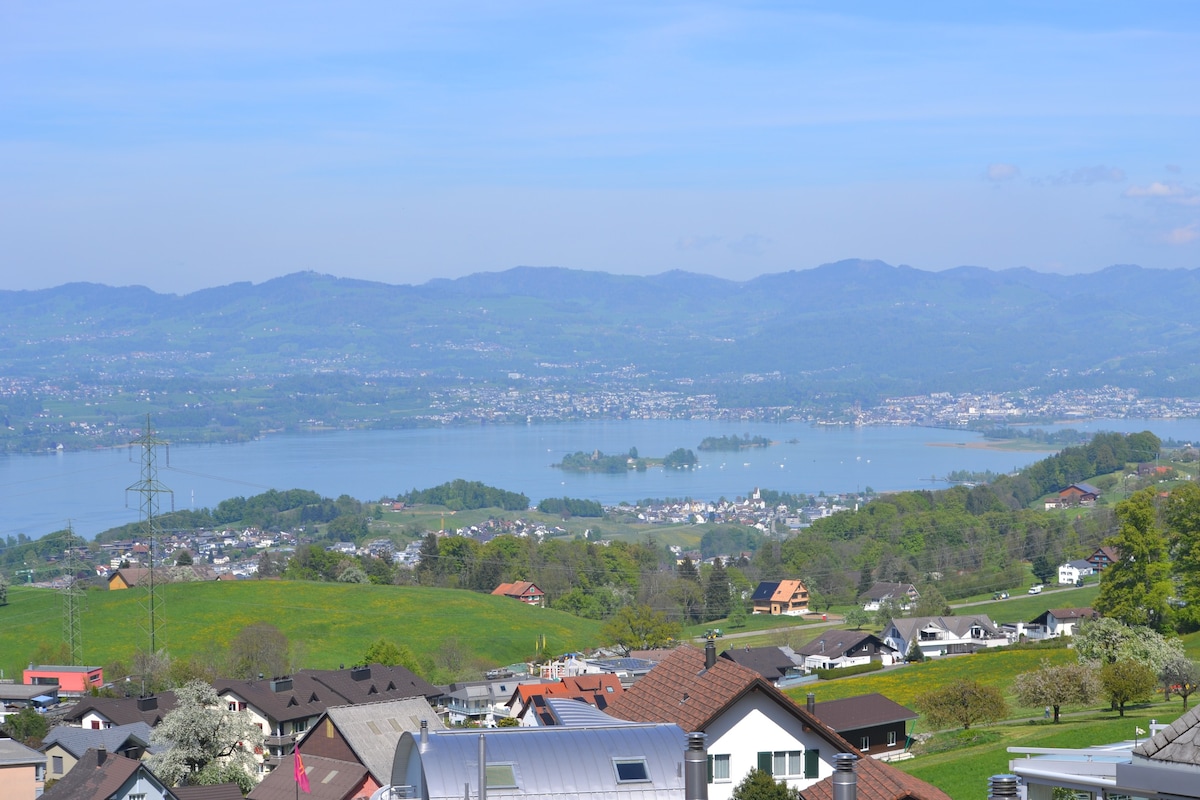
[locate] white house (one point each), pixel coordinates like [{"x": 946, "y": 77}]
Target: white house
[
  {"x": 943, "y": 636},
  {"x": 749, "y": 723},
  {"x": 1057, "y": 622},
  {"x": 1072, "y": 571}
]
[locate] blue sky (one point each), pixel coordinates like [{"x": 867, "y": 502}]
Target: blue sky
[{"x": 190, "y": 144}]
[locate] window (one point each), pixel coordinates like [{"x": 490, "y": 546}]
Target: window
[
  {"x": 500, "y": 776},
  {"x": 718, "y": 768},
  {"x": 57, "y": 764},
  {"x": 864, "y": 743},
  {"x": 812, "y": 763},
  {"x": 781, "y": 763},
  {"x": 891, "y": 739},
  {"x": 630, "y": 770}
]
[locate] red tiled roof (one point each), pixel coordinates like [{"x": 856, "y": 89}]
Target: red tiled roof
[{"x": 879, "y": 781}]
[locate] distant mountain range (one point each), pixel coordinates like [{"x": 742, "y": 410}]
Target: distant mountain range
[{"x": 843, "y": 332}]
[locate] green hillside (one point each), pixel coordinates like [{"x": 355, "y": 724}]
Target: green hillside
[{"x": 334, "y": 622}]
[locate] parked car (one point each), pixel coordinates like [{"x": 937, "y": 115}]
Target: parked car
[{"x": 1035, "y": 589}]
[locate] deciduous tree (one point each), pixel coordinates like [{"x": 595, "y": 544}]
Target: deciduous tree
[
  {"x": 259, "y": 649},
  {"x": 1105, "y": 641},
  {"x": 1127, "y": 682},
  {"x": 639, "y": 627},
  {"x": 204, "y": 743},
  {"x": 1181, "y": 676},
  {"x": 963, "y": 702},
  {"x": 1056, "y": 686}
]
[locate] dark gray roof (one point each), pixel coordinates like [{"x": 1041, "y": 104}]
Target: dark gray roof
[
  {"x": 78, "y": 741},
  {"x": 836, "y": 643},
  {"x": 959, "y": 626},
  {"x": 1178, "y": 743},
  {"x": 14, "y": 753},
  {"x": 770, "y": 662},
  {"x": 852, "y": 713},
  {"x": 124, "y": 710},
  {"x": 765, "y": 590},
  {"x": 373, "y": 729}
]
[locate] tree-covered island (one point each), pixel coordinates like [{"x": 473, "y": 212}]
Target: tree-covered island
[
  {"x": 596, "y": 461},
  {"x": 734, "y": 442}
]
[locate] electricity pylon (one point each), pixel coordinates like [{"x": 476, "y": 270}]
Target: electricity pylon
[{"x": 149, "y": 488}]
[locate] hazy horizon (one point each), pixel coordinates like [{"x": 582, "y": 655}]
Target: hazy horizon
[{"x": 193, "y": 145}]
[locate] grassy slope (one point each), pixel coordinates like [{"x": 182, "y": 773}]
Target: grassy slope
[{"x": 335, "y": 622}]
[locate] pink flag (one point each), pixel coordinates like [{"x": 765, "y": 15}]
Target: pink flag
[{"x": 301, "y": 775}]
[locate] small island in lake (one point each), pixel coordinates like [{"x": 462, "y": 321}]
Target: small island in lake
[
  {"x": 597, "y": 461},
  {"x": 733, "y": 442}
]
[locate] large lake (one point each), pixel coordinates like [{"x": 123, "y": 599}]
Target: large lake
[{"x": 40, "y": 493}]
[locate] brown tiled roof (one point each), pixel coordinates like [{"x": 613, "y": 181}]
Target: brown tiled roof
[
  {"x": 851, "y": 713},
  {"x": 682, "y": 691},
  {"x": 374, "y": 682},
  {"x": 88, "y": 780},
  {"x": 122, "y": 710},
  {"x": 879, "y": 781},
  {"x": 328, "y": 779}
]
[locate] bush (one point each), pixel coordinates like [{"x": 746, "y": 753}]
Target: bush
[{"x": 846, "y": 672}]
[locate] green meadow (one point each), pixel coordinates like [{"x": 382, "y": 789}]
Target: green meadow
[{"x": 332, "y": 623}]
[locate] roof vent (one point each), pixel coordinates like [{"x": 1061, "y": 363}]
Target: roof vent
[{"x": 360, "y": 673}]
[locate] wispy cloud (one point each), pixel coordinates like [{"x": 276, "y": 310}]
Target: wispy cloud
[
  {"x": 1002, "y": 172},
  {"x": 1085, "y": 176},
  {"x": 751, "y": 244},
  {"x": 1184, "y": 235},
  {"x": 1169, "y": 192},
  {"x": 697, "y": 242}
]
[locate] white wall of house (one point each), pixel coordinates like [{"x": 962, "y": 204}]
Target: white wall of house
[{"x": 756, "y": 724}]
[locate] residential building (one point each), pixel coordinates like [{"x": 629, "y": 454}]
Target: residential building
[
  {"x": 481, "y": 702},
  {"x": 107, "y": 712},
  {"x": 1072, "y": 571},
  {"x": 875, "y": 724},
  {"x": 328, "y": 779},
  {"x": 943, "y": 636},
  {"x": 22, "y": 770},
  {"x": 876, "y": 780},
  {"x": 1057, "y": 622},
  {"x": 524, "y": 591},
  {"x": 789, "y": 598},
  {"x": 833, "y": 649},
  {"x": 64, "y": 745},
  {"x": 750, "y": 724},
  {"x": 903, "y": 594},
  {"x": 1102, "y": 557},
  {"x": 15, "y": 696},
  {"x": 1079, "y": 494},
  {"x": 772, "y": 663},
  {"x": 528, "y": 701},
  {"x": 100, "y": 776},
  {"x": 71, "y": 681}
]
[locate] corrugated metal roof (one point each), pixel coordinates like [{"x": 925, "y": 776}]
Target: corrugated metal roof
[
  {"x": 372, "y": 729},
  {"x": 550, "y": 763},
  {"x": 569, "y": 712}
]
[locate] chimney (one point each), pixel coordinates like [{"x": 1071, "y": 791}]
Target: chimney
[
  {"x": 281, "y": 685},
  {"x": 101, "y": 755},
  {"x": 424, "y": 735},
  {"x": 1003, "y": 786},
  {"x": 147, "y": 703},
  {"x": 845, "y": 779},
  {"x": 695, "y": 768},
  {"x": 810, "y": 704},
  {"x": 710, "y": 654},
  {"x": 482, "y": 768},
  {"x": 360, "y": 673}
]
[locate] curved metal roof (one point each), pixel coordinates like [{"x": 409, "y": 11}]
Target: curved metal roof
[{"x": 547, "y": 763}]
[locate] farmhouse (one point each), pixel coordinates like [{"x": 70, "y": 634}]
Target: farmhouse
[{"x": 524, "y": 591}]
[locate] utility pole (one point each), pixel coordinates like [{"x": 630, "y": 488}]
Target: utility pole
[
  {"x": 149, "y": 488},
  {"x": 72, "y": 597}
]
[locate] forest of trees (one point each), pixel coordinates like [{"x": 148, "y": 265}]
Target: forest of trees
[{"x": 459, "y": 494}]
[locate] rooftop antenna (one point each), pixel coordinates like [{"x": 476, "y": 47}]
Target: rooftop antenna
[{"x": 149, "y": 488}]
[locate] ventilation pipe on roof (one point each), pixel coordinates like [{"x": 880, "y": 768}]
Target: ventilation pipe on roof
[
  {"x": 810, "y": 704},
  {"x": 424, "y": 735},
  {"x": 710, "y": 654},
  {"x": 482, "y": 768},
  {"x": 101, "y": 755},
  {"x": 695, "y": 768},
  {"x": 845, "y": 779},
  {"x": 1003, "y": 786}
]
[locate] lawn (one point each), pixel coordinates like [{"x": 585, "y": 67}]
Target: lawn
[{"x": 334, "y": 623}]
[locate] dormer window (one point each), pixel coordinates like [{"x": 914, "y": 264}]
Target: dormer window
[{"x": 631, "y": 770}]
